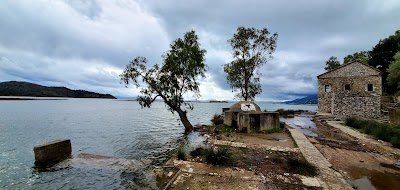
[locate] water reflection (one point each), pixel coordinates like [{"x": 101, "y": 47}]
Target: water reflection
[
  {"x": 105, "y": 127},
  {"x": 301, "y": 122}
]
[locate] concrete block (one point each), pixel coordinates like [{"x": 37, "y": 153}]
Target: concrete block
[{"x": 52, "y": 152}]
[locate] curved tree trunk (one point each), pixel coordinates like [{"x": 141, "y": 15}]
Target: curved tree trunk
[{"x": 185, "y": 121}]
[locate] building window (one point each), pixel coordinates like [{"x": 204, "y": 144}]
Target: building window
[
  {"x": 370, "y": 87},
  {"x": 327, "y": 88},
  {"x": 347, "y": 87}
]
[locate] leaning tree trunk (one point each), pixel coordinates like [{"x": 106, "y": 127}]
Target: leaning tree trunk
[{"x": 185, "y": 121}]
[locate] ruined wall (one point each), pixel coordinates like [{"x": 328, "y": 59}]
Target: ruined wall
[
  {"x": 228, "y": 118},
  {"x": 337, "y": 82},
  {"x": 269, "y": 120},
  {"x": 52, "y": 152},
  {"x": 243, "y": 122},
  {"x": 324, "y": 98},
  {"x": 358, "y": 104}
]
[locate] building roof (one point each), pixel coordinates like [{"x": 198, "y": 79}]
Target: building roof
[
  {"x": 378, "y": 72},
  {"x": 237, "y": 106}
]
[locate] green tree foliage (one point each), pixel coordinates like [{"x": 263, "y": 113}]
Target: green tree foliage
[
  {"x": 251, "y": 48},
  {"x": 361, "y": 56},
  {"x": 183, "y": 64},
  {"x": 332, "y": 63},
  {"x": 382, "y": 55},
  {"x": 394, "y": 72}
]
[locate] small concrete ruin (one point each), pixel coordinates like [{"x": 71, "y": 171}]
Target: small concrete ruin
[
  {"x": 247, "y": 116},
  {"x": 52, "y": 152}
]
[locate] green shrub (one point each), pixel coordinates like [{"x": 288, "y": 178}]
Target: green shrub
[
  {"x": 381, "y": 131},
  {"x": 199, "y": 151},
  {"x": 395, "y": 141},
  {"x": 222, "y": 156},
  {"x": 181, "y": 154},
  {"x": 302, "y": 167},
  {"x": 217, "y": 119},
  {"x": 351, "y": 121}
]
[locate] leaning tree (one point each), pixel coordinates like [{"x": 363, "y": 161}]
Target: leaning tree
[
  {"x": 251, "y": 48},
  {"x": 182, "y": 65}
]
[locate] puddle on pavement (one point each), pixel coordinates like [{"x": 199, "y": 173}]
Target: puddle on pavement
[
  {"x": 370, "y": 179},
  {"x": 302, "y": 123}
]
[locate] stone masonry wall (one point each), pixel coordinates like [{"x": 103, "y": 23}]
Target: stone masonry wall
[
  {"x": 337, "y": 85},
  {"x": 358, "y": 104}
]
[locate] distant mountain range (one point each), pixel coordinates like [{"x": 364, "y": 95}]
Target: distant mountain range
[
  {"x": 15, "y": 88},
  {"x": 311, "y": 99}
]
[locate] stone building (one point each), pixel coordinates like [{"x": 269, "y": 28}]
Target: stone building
[
  {"x": 353, "y": 89},
  {"x": 247, "y": 116}
]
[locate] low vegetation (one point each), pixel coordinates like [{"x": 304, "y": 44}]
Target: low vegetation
[
  {"x": 197, "y": 152},
  {"x": 301, "y": 167},
  {"x": 220, "y": 156},
  {"x": 288, "y": 113},
  {"x": 181, "y": 154},
  {"x": 273, "y": 130},
  {"x": 221, "y": 128},
  {"x": 217, "y": 119},
  {"x": 382, "y": 131}
]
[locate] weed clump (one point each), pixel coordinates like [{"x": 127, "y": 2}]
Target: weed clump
[
  {"x": 217, "y": 119},
  {"x": 301, "y": 167},
  {"x": 181, "y": 155},
  {"x": 199, "y": 151},
  {"x": 221, "y": 156}
]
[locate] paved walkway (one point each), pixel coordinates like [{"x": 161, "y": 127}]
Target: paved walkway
[
  {"x": 362, "y": 137},
  {"x": 330, "y": 179}
]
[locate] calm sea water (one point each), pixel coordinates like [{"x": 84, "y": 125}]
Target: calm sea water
[{"x": 105, "y": 127}]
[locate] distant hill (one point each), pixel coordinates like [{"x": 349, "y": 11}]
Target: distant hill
[
  {"x": 312, "y": 99},
  {"x": 15, "y": 88}
]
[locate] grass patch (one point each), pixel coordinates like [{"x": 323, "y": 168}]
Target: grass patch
[
  {"x": 217, "y": 119},
  {"x": 301, "y": 167},
  {"x": 221, "y": 128},
  {"x": 273, "y": 130},
  {"x": 383, "y": 131},
  {"x": 221, "y": 156}
]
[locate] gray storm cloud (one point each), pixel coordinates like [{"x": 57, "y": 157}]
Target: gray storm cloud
[{"x": 86, "y": 44}]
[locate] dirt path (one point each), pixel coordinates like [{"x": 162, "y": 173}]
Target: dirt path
[
  {"x": 364, "y": 162},
  {"x": 330, "y": 179},
  {"x": 362, "y": 137}
]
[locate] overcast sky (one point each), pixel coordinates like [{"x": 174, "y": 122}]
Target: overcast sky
[{"x": 86, "y": 44}]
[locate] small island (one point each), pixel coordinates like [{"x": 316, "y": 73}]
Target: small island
[{"x": 17, "y": 88}]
